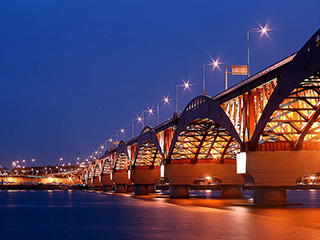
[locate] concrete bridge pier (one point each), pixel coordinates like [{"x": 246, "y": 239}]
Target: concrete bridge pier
[
  {"x": 179, "y": 191},
  {"x": 269, "y": 195},
  {"x": 151, "y": 188},
  {"x": 141, "y": 189},
  {"x": 144, "y": 180},
  {"x": 106, "y": 182},
  {"x": 107, "y": 188},
  {"x": 122, "y": 183},
  {"x": 231, "y": 191},
  {"x": 90, "y": 184},
  {"x": 273, "y": 171},
  {"x": 120, "y": 188},
  {"x": 130, "y": 188},
  {"x": 181, "y": 176},
  {"x": 98, "y": 188}
]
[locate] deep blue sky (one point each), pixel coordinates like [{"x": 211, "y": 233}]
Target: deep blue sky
[{"x": 74, "y": 72}]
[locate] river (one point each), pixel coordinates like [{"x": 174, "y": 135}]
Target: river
[{"x": 93, "y": 215}]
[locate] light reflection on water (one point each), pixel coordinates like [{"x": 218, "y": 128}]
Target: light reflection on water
[{"x": 90, "y": 215}]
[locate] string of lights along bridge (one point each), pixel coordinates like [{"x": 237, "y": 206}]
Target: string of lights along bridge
[{"x": 261, "y": 133}]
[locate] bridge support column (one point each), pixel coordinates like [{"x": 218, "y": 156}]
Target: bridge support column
[
  {"x": 130, "y": 188},
  {"x": 107, "y": 188},
  {"x": 121, "y": 188},
  {"x": 151, "y": 188},
  {"x": 179, "y": 191},
  {"x": 98, "y": 188},
  {"x": 231, "y": 191},
  {"x": 141, "y": 189},
  {"x": 269, "y": 195}
]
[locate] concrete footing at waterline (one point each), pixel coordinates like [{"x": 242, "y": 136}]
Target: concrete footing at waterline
[
  {"x": 179, "y": 191},
  {"x": 231, "y": 191},
  {"x": 151, "y": 188},
  {"x": 107, "y": 188},
  {"x": 141, "y": 189},
  {"x": 144, "y": 189},
  {"x": 269, "y": 195},
  {"x": 228, "y": 191},
  {"x": 120, "y": 188},
  {"x": 130, "y": 188}
]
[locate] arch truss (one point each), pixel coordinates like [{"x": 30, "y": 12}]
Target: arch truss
[
  {"x": 296, "y": 121},
  {"x": 90, "y": 174},
  {"x": 97, "y": 170},
  {"x": 148, "y": 151},
  {"x": 148, "y": 155},
  {"x": 204, "y": 134},
  {"x": 122, "y": 161},
  {"x": 107, "y": 165},
  {"x": 204, "y": 141}
]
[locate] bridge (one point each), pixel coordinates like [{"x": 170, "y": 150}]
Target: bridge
[{"x": 262, "y": 133}]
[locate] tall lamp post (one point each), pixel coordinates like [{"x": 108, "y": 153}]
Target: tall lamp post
[
  {"x": 142, "y": 118},
  {"x": 185, "y": 85},
  {"x": 111, "y": 141},
  {"x": 215, "y": 64},
  {"x": 165, "y": 100},
  {"x": 123, "y": 130},
  {"x": 263, "y": 31}
]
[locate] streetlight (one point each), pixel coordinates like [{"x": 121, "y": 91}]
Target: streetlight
[
  {"x": 111, "y": 141},
  {"x": 141, "y": 119},
  {"x": 263, "y": 31},
  {"x": 185, "y": 85},
  {"x": 215, "y": 64},
  {"x": 165, "y": 100},
  {"x": 123, "y": 130}
]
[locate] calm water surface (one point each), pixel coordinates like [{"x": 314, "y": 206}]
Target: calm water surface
[{"x": 89, "y": 215}]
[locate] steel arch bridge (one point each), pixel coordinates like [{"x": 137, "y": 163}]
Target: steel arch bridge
[{"x": 276, "y": 112}]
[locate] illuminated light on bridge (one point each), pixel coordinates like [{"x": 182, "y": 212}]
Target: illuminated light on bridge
[{"x": 266, "y": 129}]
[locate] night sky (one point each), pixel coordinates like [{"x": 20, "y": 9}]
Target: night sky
[{"x": 75, "y": 72}]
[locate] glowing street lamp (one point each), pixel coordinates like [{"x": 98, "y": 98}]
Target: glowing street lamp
[
  {"x": 263, "y": 31},
  {"x": 141, "y": 119},
  {"x": 214, "y": 64},
  {"x": 122, "y": 131},
  {"x": 165, "y": 100},
  {"x": 111, "y": 140},
  {"x": 186, "y": 85}
]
